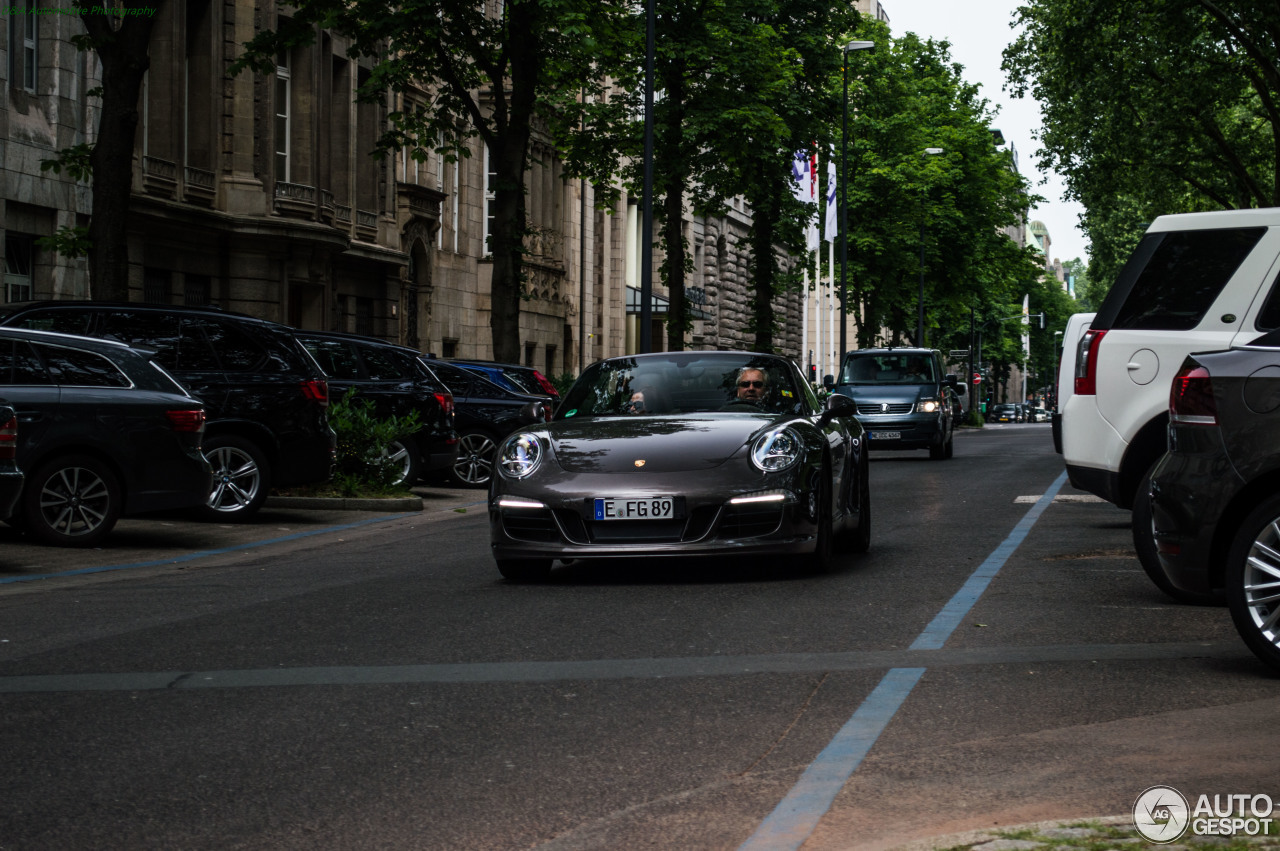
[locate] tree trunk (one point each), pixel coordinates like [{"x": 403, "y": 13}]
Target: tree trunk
[
  {"x": 124, "y": 63},
  {"x": 673, "y": 240},
  {"x": 509, "y": 146},
  {"x": 766, "y": 211}
]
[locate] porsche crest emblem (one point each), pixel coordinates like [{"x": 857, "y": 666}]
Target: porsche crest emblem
[{"x": 639, "y": 462}]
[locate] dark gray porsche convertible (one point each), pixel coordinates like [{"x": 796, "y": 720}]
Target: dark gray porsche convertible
[{"x": 682, "y": 453}]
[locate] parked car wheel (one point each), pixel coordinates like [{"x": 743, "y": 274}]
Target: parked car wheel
[
  {"x": 73, "y": 501},
  {"x": 1145, "y": 545},
  {"x": 241, "y": 477},
  {"x": 1253, "y": 581},
  {"x": 407, "y": 462},
  {"x": 475, "y": 459},
  {"x": 525, "y": 569}
]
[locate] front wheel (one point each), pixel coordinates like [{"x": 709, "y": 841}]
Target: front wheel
[
  {"x": 1253, "y": 581},
  {"x": 859, "y": 541},
  {"x": 822, "y": 559},
  {"x": 73, "y": 501},
  {"x": 1144, "y": 543},
  {"x": 241, "y": 477}
]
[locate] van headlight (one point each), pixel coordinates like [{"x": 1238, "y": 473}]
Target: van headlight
[
  {"x": 927, "y": 406},
  {"x": 776, "y": 450},
  {"x": 519, "y": 455}
]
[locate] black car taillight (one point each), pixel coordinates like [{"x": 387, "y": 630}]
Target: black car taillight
[
  {"x": 1191, "y": 399},
  {"x": 1087, "y": 363},
  {"x": 446, "y": 403},
  {"x": 9, "y": 439},
  {"x": 317, "y": 390},
  {"x": 186, "y": 421}
]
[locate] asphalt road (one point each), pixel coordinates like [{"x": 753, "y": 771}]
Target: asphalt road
[{"x": 350, "y": 681}]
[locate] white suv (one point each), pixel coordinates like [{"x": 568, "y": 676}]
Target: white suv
[{"x": 1196, "y": 282}]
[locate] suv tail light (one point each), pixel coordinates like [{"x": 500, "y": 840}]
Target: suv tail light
[
  {"x": 1087, "y": 363},
  {"x": 317, "y": 390},
  {"x": 186, "y": 421},
  {"x": 1191, "y": 399},
  {"x": 9, "y": 439},
  {"x": 545, "y": 384},
  {"x": 446, "y": 403}
]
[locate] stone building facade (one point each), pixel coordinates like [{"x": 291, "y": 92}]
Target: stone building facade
[{"x": 260, "y": 194}]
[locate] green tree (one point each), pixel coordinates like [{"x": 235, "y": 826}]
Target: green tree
[
  {"x": 495, "y": 71},
  {"x": 1148, "y": 108},
  {"x": 952, "y": 206}
]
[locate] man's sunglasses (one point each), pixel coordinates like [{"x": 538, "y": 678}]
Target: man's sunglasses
[{"x": 751, "y": 384}]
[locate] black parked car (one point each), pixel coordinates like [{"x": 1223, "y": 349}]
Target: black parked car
[
  {"x": 265, "y": 396},
  {"x": 103, "y": 432},
  {"x": 514, "y": 377},
  {"x": 10, "y": 474},
  {"x": 1215, "y": 495},
  {"x": 396, "y": 381},
  {"x": 485, "y": 413}
]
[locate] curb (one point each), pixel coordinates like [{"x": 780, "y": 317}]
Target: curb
[{"x": 399, "y": 504}]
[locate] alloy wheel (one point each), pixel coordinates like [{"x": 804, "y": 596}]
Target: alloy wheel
[{"x": 237, "y": 480}]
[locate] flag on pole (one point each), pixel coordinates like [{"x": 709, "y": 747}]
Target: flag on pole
[
  {"x": 802, "y": 168},
  {"x": 832, "y": 222}
]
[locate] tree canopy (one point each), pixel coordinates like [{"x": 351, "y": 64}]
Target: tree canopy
[
  {"x": 952, "y": 206},
  {"x": 1149, "y": 108}
]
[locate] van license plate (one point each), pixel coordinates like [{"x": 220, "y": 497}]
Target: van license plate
[{"x": 886, "y": 435}]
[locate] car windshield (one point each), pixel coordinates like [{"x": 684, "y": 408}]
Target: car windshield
[
  {"x": 684, "y": 383},
  {"x": 888, "y": 368}
]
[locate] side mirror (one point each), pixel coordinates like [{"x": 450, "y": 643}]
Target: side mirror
[
  {"x": 534, "y": 412},
  {"x": 838, "y": 405},
  {"x": 828, "y": 381}
]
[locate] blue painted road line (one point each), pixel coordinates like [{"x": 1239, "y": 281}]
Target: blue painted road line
[
  {"x": 8, "y": 580},
  {"x": 796, "y": 817},
  {"x": 791, "y": 822},
  {"x": 946, "y": 621}
]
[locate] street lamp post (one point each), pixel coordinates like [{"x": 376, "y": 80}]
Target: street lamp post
[
  {"x": 929, "y": 152},
  {"x": 844, "y": 202}
]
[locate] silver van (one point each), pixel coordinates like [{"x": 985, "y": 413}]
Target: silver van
[{"x": 903, "y": 397}]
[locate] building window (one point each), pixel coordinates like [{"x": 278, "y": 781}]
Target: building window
[
  {"x": 490, "y": 199},
  {"x": 283, "y": 81},
  {"x": 19, "y": 251},
  {"x": 157, "y": 286},
  {"x": 22, "y": 45},
  {"x": 449, "y": 348},
  {"x": 364, "y": 316},
  {"x": 551, "y": 360},
  {"x": 530, "y": 351},
  {"x": 196, "y": 290}
]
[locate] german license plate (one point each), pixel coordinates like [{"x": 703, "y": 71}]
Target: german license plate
[
  {"x": 886, "y": 435},
  {"x": 639, "y": 508}
]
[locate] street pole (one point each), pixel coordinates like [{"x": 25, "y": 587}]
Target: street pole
[{"x": 844, "y": 205}]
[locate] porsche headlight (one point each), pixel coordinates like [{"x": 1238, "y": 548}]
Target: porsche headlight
[
  {"x": 927, "y": 406},
  {"x": 777, "y": 450},
  {"x": 519, "y": 455}
]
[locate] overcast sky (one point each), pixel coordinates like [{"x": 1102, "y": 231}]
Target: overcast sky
[{"x": 979, "y": 32}]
